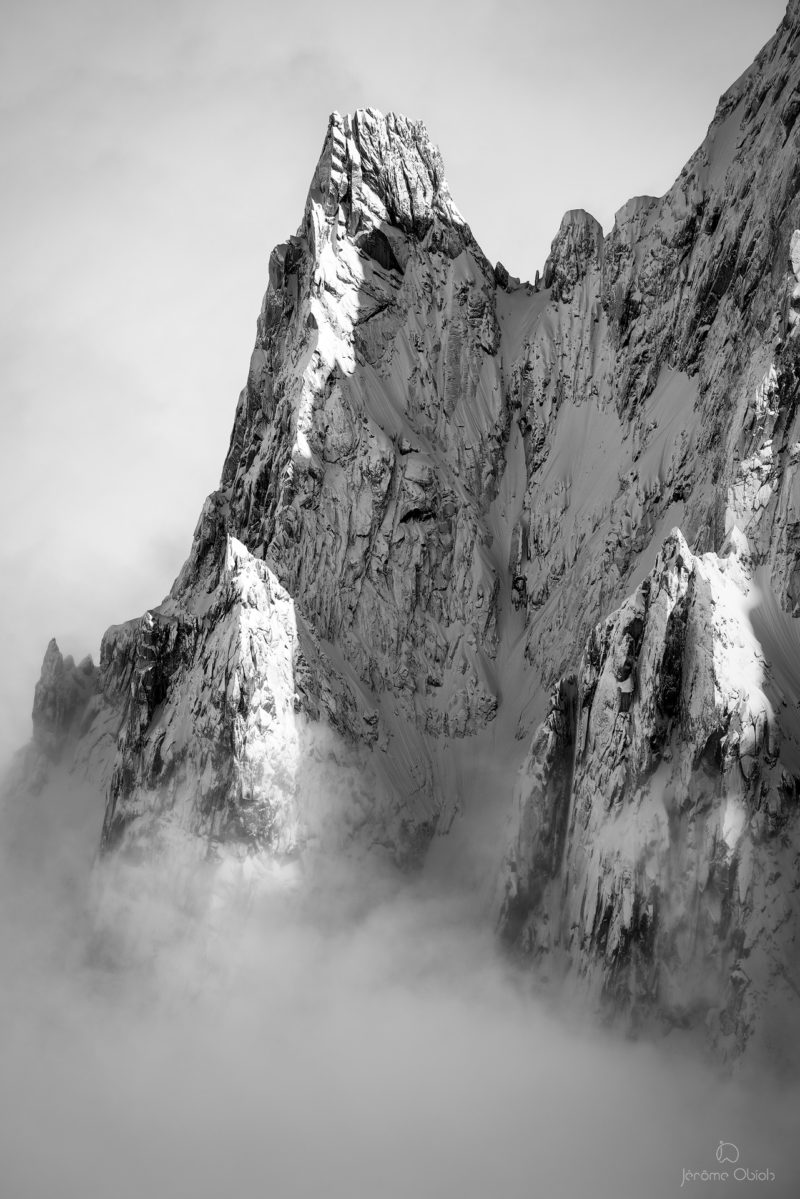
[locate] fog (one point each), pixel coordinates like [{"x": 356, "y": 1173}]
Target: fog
[{"x": 179, "y": 1029}]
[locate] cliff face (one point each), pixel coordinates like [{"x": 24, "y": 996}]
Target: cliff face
[
  {"x": 653, "y": 854},
  {"x": 654, "y": 850},
  {"x": 439, "y": 484},
  {"x": 366, "y": 448}
]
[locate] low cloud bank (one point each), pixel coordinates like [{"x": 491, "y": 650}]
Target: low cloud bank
[{"x": 173, "y": 1029}]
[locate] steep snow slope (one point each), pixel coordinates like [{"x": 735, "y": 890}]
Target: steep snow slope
[{"x": 439, "y": 481}]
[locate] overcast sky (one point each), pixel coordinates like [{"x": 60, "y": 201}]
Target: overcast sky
[{"x": 153, "y": 153}]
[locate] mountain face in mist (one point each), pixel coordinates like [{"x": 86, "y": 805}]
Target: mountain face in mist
[{"x": 521, "y": 558}]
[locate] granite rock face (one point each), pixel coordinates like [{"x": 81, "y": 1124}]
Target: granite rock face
[
  {"x": 654, "y": 857},
  {"x": 236, "y": 723},
  {"x": 449, "y": 495},
  {"x": 60, "y": 699},
  {"x": 653, "y": 854}
]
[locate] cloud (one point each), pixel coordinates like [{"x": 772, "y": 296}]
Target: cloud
[{"x": 174, "y": 1029}]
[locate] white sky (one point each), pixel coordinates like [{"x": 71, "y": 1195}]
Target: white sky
[{"x": 153, "y": 154}]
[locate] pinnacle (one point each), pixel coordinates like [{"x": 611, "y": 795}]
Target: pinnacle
[{"x": 368, "y": 156}]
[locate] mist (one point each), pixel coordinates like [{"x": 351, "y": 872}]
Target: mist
[{"x": 179, "y": 1028}]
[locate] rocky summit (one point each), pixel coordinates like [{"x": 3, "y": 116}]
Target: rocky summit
[{"x": 504, "y": 576}]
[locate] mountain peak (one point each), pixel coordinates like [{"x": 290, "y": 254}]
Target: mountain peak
[
  {"x": 60, "y": 697},
  {"x": 577, "y": 248},
  {"x": 382, "y": 169}
]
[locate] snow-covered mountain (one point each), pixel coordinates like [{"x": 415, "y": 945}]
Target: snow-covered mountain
[{"x": 505, "y": 575}]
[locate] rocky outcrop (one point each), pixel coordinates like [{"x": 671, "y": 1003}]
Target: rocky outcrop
[
  {"x": 60, "y": 699},
  {"x": 440, "y": 483},
  {"x": 658, "y": 808},
  {"x": 577, "y": 252},
  {"x": 238, "y": 728},
  {"x": 73, "y": 728}
]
